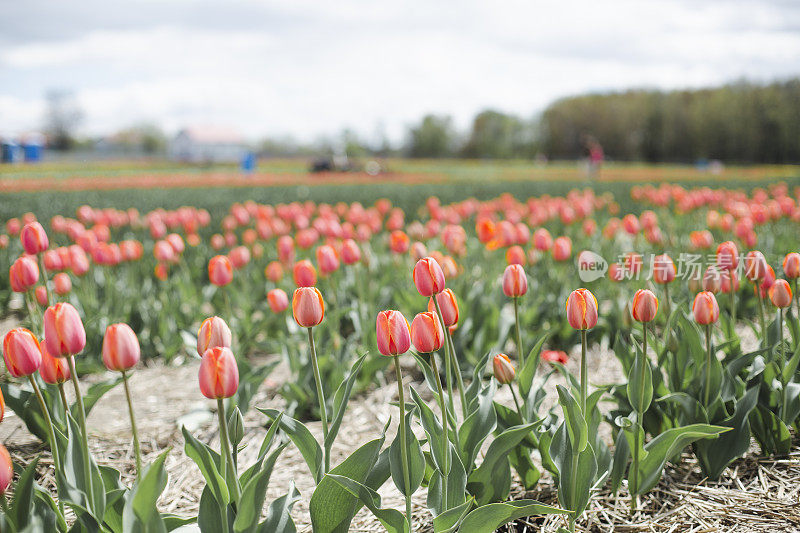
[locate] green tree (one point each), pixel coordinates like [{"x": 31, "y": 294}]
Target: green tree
[
  {"x": 433, "y": 137},
  {"x": 496, "y": 135}
]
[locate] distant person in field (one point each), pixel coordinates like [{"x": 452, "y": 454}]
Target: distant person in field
[{"x": 596, "y": 157}]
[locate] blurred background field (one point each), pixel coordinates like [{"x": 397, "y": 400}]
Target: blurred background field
[{"x": 61, "y": 187}]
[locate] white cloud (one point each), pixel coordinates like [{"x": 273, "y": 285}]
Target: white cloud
[{"x": 305, "y": 67}]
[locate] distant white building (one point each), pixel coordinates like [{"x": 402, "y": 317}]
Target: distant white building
[{"x": 208, "y": 144}]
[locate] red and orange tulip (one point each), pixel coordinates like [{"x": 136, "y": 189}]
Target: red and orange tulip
[
  {"x": 393, "y": 333},
  {"x": 582, "y": 309},
  {"x": 308, "y": 307},
  {"x": 219, "y": 374}
]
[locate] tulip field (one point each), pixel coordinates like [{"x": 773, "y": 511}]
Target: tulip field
[{"x": 623, "y": 357}]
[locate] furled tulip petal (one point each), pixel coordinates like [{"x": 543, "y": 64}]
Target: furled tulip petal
[
  {"x": 308, "y": 307},
  {"x": 503, "y": 369},
  {"x": 705, "y": 308},
  {"x": 428, "y": 277},
  {"x": 63, "y": 330},
  {"x": 515, "y": 282},
  {"x": 21, "y": 352},
  {"x": 644, "y": 306},
  {"x": 213, "y": 333},
  {"x": 781, "y": 294},
  {"x": 426, "y": 332},
  {"x": 278, "y": 300},
  {"x": 219, "y": 374},
  {"x": 582, "y": 309},
  {"x": 220, "y": 270},
  {"x": 393, "y": 334},
  {"x": 120, "y": 348}
]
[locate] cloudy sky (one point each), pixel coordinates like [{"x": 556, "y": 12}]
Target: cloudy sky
[{"x": 309, "y": 68}]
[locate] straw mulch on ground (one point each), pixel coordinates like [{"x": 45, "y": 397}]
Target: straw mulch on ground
[{"x": 754, "y": 494}]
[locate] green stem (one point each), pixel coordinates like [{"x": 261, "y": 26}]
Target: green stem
[
  {"x": 667, "y": 301},
  {"x": 708, "y": 365},
  {"x": 48, "y": 421},
  {"x": 446, "y": 440},
  {"x": 82, "y": 422},
  {"x": 516, "y": 402},
  {"x": 225, "y": 449},
  {"x": 520, "y": 351},
  {"x": 634, "y": 486},
  {"x": 323, "y": 414},
  {"x": 733, "y": 307},
  {"x": 584, "y": 375},
  {"x": 780, "y": 362},
  {"x": 63, "y": 398},
  {"x": 449, "y": 378},
  {"x": 136, "y": 448},
  {"x": 404, "y": 442},
  {"x": 761, "y": 319},
  {"x": 459, "y": 378},
  {"x": 44, "y": 279}
]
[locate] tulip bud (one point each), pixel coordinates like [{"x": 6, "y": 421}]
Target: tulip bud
[
  {"x": 562, "y": 248},
  {"x": 394, "y": 337},
  {"x": 21, "y": 352},
  {"x": 239, "y": 257},
  {"x": 6, "y": 470},
  {"x": 62, "y": 283},
  {"x": 285, "y": 246},
  {"x": 278, "y": 300},
  {"x": 220, "y": 270},
  {"x": 727, "y": 256},
  {"x": 308, "y": 307},
  {"x": 34, "y": 238},
  {"x": 448, "y": 305},
  {"x": 791, "y": 265},
  {"x": 164, "y": 253},
  {"x": 54, "y": 370},
  {"x": 730, "y": 281},
  {"x": 213, "y": 333},
  {"x": 327, "y": 260},
  {"x": 705, "y": 308},
  {"x": 304, "y": 273},
  {"x": 426, "y": 332},
  {"x": 23, "y": 274},
  {"x": 120, "y": 348},
  {"x": 161, "y": 271},
  {"x": 542, "y": 240},
  {"x": 781, "y": 294},
  {"x": 515, "y": 282},
  {"x": 766, "y": 283},
  {"x": 645, "y": 306},
  {"x": 503, "y": 369},
  {"x": 582, "y": 309},
  {"x": 515, "y": 255},
  {"x": 236, "y": 427},
  {"x": 428, "y": 277},
  {"x": 755, "y": 266},
  {"x": 555, "y": 356},
  {"x": 663, "y": 269},
  {"x": 399, "y": 242},
  {"x": 41, "y": 295},
  {"x": 63, "y": 330},
  {"x": 274, "y": 272},
  {"x": 351, "y": 253},
  {"x": 219, "y": 374},
  {"x": 712, "y": 280}
]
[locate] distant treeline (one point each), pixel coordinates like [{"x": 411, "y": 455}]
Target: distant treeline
[{"x": 740, "y": 122}]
